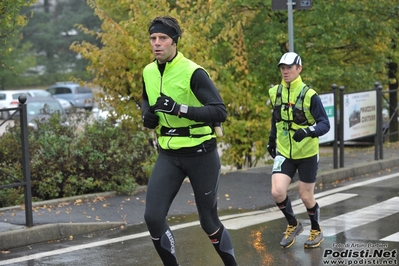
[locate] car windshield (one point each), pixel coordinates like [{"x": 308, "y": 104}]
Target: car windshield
[
  {"x": 35, "y": 108},
  {"x": 16, "y": 95},
  {"x": 41, "y": 93}
]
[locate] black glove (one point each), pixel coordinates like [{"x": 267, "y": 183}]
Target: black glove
[
  {"x": 271, "y": 148},
  {"x": 150, "y": 120},
  {"x": 165, "y": 104},
  {"x": 302, "y": 133}
]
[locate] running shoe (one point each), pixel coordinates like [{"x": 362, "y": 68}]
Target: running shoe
[
  {"x": 315, "y": 238},
  {"x": 290, "y": 234}
]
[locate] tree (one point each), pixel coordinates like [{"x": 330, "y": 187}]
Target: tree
[
  {"x": 10, "y": 23},
  {"x": 16, "y": 61},
  {"x": 350, "y": 45},
  {"x": 10, "y": 19},
  {"x": 240, "y": 43},
  {"x": 119, "y": 63},
  {"x": 347, "y": 47},
  {"x": 51, "y": 30}
]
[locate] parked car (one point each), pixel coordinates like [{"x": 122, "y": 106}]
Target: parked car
[
  {"x": 66, "y": 105},
  {"x": 9, "y": 99},
  {"x": 41, "y": 108},
  {"x": 80, "y": 97}
]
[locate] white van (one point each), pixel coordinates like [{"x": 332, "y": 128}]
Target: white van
[{"x": 9, "y": 99}]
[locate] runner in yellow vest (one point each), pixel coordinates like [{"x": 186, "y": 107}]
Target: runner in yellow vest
[
  {"x": 298, "y": 120},
  {"x": 182, "y": 104}
]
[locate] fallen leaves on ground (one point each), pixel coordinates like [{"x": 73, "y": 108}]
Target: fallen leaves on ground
[
  {"x": 63, "y": 204},
  {"x": 227, "y": 196}
]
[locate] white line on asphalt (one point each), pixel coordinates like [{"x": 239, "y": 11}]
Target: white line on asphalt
[
  {"x": 318, "y": 195},
  {"x": 74, "y": 248},
  {"x": 239, "y": 223},
  {"x": 393, "y": 237},
  {"x": 90, "y": 245},
  {"x": 350, "y": 220},
  {"x": 146, "y": 234}
]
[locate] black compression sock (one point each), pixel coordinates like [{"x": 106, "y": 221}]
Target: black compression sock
[
  {"x": 165, "y": 246},
  {"x": 314, "y": 216},
  {"x": 286, "y": 208},
  {"x": 222, "y": 243}
]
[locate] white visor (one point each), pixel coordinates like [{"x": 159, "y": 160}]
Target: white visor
[{"x": 290, "y": 59}]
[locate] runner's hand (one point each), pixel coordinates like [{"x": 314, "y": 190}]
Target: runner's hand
[
  {"x": 165, "y": 104},
  {"x": 301, "y": 133},
  {"x": 271, "y": 148},
  {"x": 150, "y": 120}
]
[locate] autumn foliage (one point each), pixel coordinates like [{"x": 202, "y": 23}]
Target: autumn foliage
[{"x": 240, "y": 43}]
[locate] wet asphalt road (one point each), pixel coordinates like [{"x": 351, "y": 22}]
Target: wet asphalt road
[{"x": 356, "y": 217}]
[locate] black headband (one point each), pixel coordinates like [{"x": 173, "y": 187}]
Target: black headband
[{"x": 161, "y": 28}]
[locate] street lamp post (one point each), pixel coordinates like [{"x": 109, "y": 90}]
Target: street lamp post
[{"x": 290, "y": 6}]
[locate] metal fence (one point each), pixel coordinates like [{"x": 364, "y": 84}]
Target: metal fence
[
  {"x": 26, "y": 183},
  {"x": 386, "y": 122}
]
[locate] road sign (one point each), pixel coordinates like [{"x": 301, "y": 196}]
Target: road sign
[{"x": 297, "y": 4}]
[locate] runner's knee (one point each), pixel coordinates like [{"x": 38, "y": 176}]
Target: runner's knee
[
  {"x": 210, "y": 224},
  {"x": 155, "y": 223}
]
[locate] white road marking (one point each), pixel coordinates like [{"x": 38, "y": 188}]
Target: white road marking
[
  {"x": 239, "y": 223},
  {"x": 392, "y": 238},
  {"x": 349, "y": 220},
  {"x": 146, "y": 234},
  {"x": 74, "y": 248}
]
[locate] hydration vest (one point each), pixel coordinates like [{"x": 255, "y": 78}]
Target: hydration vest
[
  {"x": 298, "y": 97},
  {"x": 299, "y": 116}
]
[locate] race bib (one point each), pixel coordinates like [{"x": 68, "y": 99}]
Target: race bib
[{"x": 278, "y": 161}]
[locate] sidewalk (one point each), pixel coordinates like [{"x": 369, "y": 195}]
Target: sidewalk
[{"x": 244, "y": 190}]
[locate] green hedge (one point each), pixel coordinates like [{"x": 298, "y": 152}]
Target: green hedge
[{"x": 84, "y": 156}]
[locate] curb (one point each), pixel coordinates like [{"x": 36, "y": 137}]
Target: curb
[
  {"x": 19, "y": 235},
  {"x": 331, "y": 176},
  {"x": 57, "y": 201},
  {"x": 47, "y": 232}
]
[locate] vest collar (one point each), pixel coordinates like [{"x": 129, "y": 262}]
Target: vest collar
[
  {"x": 168, "y": 64},
  {"x": 175, "y": 59},
  {"x": 294, "y": 84}
]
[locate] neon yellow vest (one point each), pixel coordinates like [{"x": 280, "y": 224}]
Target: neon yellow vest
[
  {"x": 175, "y": 83},
  {"x": 286, "y": 146}
]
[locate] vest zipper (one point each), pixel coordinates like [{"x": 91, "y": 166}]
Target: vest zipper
[
  {"x": 289, "y": 125},
  {"x": 160, "y": 91},
  {"x": 164, "y": 115}
]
